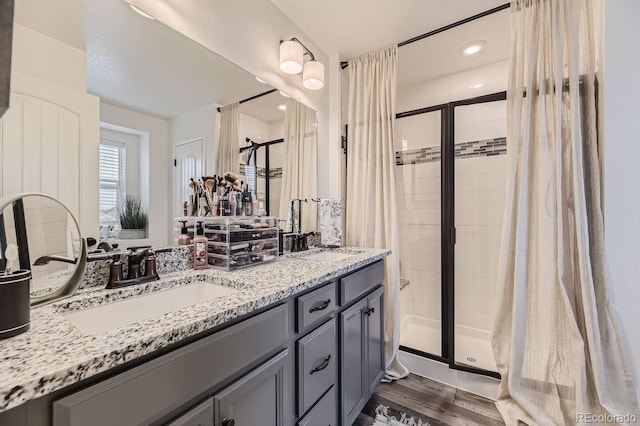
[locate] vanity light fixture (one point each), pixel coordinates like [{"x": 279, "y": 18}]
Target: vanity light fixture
[
  {"x": 292, "y": 62},
  {"x": 473, "y": 48},
  {"x": 141, "y": 12}
]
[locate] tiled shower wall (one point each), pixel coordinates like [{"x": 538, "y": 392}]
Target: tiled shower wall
[{"x": 479, "y": 208}]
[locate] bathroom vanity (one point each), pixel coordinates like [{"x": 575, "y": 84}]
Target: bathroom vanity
[{"x": 298, "y": 341}]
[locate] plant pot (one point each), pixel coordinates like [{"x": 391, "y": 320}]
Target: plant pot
[{"x": 132, "y": 234}]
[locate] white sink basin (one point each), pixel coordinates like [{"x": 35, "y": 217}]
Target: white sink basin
[
  {"x": 327, "y": 256},
  {"x": 98, "y": 319}
]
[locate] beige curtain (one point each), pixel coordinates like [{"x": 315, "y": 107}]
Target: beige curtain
[
  {"x": 371, "y": 208},
  {"x": 555, "y": 339},
  {"x": 299, "y": 164},
  {"x": 228, "y": 151}
]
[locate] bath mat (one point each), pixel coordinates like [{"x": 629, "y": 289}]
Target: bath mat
[{"x": 383, "y": 419}]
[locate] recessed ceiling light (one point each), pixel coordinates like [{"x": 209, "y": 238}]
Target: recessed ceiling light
[
  {"x": 260, "y": 80},
  {"x": 141, "y": 12},
  {"x": 282, "y": 107},
  {"x": 283, "y": 94},
  {"x": 473, "y": 48},
  {"x": 477, "y": 85}
]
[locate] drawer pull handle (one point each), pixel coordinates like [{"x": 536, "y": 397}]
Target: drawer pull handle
[
  {"x": 324, "y": 364},
  {"x": 320, "y": 307},
  {"x": 228, "y": 422},
  {"x": 369, "y": 311}
]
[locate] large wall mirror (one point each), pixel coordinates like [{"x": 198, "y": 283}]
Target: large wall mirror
[{"x": 107, "y": 103}]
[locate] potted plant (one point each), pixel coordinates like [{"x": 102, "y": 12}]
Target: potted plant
[{"x": 133, "y": 219}]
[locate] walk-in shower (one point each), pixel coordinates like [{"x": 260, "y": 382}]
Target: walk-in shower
[
  {"x": 261, "y": 168},
  {"x": 451, "y": 171}
]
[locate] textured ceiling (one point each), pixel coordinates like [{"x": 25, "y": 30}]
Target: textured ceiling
[{"x": 139, "y": 63}]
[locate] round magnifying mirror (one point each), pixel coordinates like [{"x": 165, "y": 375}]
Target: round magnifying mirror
[{"x": 49, "y": 244}]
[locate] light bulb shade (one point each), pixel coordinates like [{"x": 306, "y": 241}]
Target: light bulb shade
[
  {"x": 291, "y": 57},
  {"x": 313, "y": 75}
]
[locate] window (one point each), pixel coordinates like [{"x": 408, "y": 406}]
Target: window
[{"x": 112, "y": 165}]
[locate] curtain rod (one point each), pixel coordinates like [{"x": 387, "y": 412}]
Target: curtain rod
[
  {"x": 268, "y": 92},
  {"x": 500, "y": 8},
  {"x": 255, "y": 145}
]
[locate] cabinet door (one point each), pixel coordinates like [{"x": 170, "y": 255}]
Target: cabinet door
[
  {"x": 352, "y": 362},
  {"x": 256, "y": 399},
  {"x": 375, "y": 339}
]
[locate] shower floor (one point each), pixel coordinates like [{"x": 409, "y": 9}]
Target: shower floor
[{"x": 472, "y": 346}]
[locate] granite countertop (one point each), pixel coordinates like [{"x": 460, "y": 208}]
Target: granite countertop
[{"x": 54, "y": 354}]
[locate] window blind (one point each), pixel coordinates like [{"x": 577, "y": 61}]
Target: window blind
[{"x": 112, "y": 172}]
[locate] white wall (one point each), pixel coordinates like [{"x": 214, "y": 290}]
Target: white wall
[
  {"x": 158, "y": 176},
  {"x": 254, "y": 46},
  {"x": 48, "y": 59},
  {"x": 621, "y": 129},
  {"x": 453, "y": 87}
]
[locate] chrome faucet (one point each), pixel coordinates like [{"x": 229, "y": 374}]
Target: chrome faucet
[
  {"x": 135, "y": 258},
  {"x": 134, "y": 271}
]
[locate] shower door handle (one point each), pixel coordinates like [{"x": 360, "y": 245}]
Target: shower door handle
[{"x": 453, "y": 235}]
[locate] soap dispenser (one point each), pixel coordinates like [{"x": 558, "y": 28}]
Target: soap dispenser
[
  {"x": 184, "y": 239},
  {"x": 200, "y": 248}
]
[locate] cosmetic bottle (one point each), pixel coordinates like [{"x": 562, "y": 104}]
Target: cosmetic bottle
[
  {"x": 184, "y": 239},
  {"x": 261, "y": 210},
  {"x": 200, "y": 248},
  {"x": 248, "y": 203}
]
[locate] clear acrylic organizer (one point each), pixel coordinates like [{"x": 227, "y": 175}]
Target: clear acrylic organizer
[{"x": 237, "y": 241}]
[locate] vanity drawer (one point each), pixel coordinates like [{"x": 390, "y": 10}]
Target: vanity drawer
[
  {"x": 202, "y": 415},
  {"x": 324, "y": 413},
  {"x": 359, "y": 283},
  {"x": 150, "y": 391},
  {"x": 316, "y": 365},
  {"x": 315, "y": 306}
]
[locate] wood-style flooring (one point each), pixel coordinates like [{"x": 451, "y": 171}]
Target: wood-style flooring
[{"x": 430, "y": 401}]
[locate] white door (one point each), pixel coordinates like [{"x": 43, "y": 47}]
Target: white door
[
  {"x": 188, "y": 164},
  {"x": 49, "y": 144}
]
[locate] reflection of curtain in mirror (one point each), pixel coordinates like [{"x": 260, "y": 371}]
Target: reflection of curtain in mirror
[
  {"x": 299, "y": 170},
  {"x": 227, "y": 155}
]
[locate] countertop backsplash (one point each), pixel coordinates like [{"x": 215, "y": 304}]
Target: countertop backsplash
[{"x": 179, "y": 258}]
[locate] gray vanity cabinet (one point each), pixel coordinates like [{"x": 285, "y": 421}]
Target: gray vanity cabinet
[
  {"x": 313, "y": 359},
  {"x": 156, "y": 390},
  {"x": 256, "y": 399},
  {"x": 361, "y": 340},
  {"x": 201, "y": 415}
]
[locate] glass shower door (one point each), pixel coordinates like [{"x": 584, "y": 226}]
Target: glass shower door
[
  {"x": 480, "y": 180},
  {"x": 417, "y": 146}
]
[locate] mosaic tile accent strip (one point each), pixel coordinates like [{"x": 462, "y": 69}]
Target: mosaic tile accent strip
[
  {"x": 485, "y": 148},
  {"x": 275, "y": 172}
]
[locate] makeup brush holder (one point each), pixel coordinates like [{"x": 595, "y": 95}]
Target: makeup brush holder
[{"x": 14, "y": 303}]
